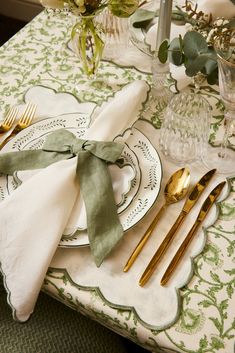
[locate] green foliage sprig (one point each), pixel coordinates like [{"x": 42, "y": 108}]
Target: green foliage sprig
[{"x": 196, "y": 50}]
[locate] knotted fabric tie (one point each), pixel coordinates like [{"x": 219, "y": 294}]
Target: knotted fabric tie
[{"x": 103, "y": 225}]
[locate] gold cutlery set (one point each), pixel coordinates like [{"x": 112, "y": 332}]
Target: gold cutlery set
[
  {"x": 23, "y": 122},
  {"x": 176, "y": 188}
]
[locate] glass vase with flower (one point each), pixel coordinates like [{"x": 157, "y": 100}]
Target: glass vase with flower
[
  {"x": 88, "y": 34},
  {"x": 88, "y": 38}
]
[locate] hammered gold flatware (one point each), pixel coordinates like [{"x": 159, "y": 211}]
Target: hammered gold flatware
[
  {"x": 24, "y": 121},
  {"x": 188, "y": 205},
  {"x": 175, "y": 190},
  {"x": 201, "y": 216},
  {"x": 7, "y": 123}
]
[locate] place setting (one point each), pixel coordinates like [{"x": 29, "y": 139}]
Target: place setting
[
  {"x": 136, "y": 178},
  {"x": 28, "y": 154}
]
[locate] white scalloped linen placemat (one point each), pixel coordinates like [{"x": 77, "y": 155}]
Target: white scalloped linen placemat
[{"x": 156, "y": 307}]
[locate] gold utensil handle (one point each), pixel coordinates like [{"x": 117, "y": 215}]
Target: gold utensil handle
[
  {"x": 143, "y": 240},
  {"x": 188, "y": 205},
  {"x": 179, "y": 254},
  {"x": 206, "y": 206},
  {"x": 161, "y": 250},
  {"x": 4, "y": 142}
]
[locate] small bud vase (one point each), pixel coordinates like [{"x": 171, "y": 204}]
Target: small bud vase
[{"x": 88, "y": 43}]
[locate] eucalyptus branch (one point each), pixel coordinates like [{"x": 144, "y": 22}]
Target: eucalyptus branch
[
  {"x": 186, "y": 18},
  {"x": 196, "y": 49}
]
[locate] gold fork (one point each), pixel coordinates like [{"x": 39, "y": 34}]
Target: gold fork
[
  {"x": 23, "y": 122},
  {"x": 9, "y": 120}
]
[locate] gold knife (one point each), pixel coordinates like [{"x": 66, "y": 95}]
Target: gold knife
[
  {"x": 201, "y": 216},
  {"x": 189, "y": 203}
]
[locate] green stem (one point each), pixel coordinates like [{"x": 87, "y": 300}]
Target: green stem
[
  {"x": 209, "y": 350},
  {"x": 223, "y": 236},
  {"x": 227, "y": 331},
  {"x": 177, "y": 345},
  {"x": 224, "y": 231}
]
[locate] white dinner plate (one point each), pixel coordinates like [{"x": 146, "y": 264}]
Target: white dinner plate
[{"x": 136, "y": 178}]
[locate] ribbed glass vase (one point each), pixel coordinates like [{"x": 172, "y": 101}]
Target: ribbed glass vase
[{"x": 88, "y": 42}]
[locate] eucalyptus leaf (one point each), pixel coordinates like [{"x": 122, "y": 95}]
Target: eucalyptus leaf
[
  {"x": 212, "y": 78},
  {"x": 195, "y": 65},
  {"x": 163, "y": 52},
  {"x": 175, "y": 52},
  {"x": 142, "y": 18},
  {"x": 194, "y": 44},
  {"x": 210, "y": 66}
]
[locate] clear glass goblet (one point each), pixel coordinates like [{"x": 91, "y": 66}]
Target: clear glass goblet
[
  {"x": 222, "y": 156},
  {"x": 185, "y": 128}
]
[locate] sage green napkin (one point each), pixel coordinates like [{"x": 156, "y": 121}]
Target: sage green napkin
[{"x": 104, "y": 228}]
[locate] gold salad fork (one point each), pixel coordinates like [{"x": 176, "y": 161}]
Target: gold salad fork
[
  {"x": 9, "y": 120},
  {"x": 24, "y": 121}
]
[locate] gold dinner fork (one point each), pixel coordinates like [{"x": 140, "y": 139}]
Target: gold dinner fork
[
  {"x": 23, "y": 122},
  {"x": 9, "y": 120}
]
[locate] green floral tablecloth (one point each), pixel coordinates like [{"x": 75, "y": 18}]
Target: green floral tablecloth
[{"x": 38, "y": 55}]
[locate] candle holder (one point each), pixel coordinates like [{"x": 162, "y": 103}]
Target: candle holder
[{"x": 160, "y": 88}]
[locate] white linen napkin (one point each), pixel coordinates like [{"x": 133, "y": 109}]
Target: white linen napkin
[{"x": 34, "y": 216}]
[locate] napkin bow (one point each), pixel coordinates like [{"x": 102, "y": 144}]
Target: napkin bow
[
  {"x": 65, "y": 141},
  {"x": 103, "y": 225}
]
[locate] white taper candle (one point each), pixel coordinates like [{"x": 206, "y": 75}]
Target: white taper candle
[{"x": 164, "y": 22}]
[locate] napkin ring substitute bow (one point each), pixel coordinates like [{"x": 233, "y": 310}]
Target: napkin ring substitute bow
[{"x": 103, "y": 225}]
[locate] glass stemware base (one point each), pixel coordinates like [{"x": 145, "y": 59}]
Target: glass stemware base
[
  {"x": 222, "y": 156},
  {"x": 223, "y": 161}
]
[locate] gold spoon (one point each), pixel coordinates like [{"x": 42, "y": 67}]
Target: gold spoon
[{"x": 175, "y": 190}]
